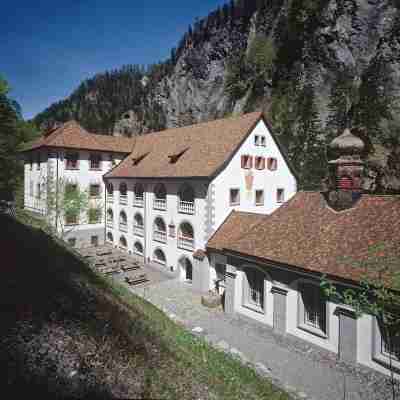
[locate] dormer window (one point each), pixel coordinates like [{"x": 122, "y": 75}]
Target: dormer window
[
  {"x": 259, "y": 162},
  {"x": 234, "y": 197},
  {"x": 173, "y": 158},
  {"x": 263, "y": 141},
  {"x": 246, "y": 161},
  {"x": 280, "y": 195},
  {"x": 95, "y": 160},
  {"x": 71, "y": 161},
  {"x": 272, "y": 164},
  {"x": 256, "y": 140}
]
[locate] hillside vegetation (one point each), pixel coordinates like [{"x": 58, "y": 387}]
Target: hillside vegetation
[
  {"x": 70, "y": 333},
  {"x": 314, "y": 66}
]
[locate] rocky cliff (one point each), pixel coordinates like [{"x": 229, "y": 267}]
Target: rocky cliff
[{"x": 314, "y": 66}]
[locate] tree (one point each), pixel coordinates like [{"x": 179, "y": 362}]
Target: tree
[{"x": 378, "y": 294}]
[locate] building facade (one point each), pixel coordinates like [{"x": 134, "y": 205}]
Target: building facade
[{"x": 274, "y": 263}]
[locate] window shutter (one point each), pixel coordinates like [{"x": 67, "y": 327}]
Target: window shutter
[
  {"x": 275, "y": 164},
  {"x": 250, "y": 162},
  {"x": 262, "y": 163},
  {"x": 243, "y": 161}
]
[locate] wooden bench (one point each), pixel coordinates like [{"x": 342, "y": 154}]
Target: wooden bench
[
  {"x": 136, "y": 280},
  {"x": 103, "y": 252}
]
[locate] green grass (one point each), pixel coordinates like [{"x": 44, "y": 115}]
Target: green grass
[{"x": 186, "y": 361}]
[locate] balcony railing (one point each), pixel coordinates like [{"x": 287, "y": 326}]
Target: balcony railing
[
  {"x": 186, "y": 207},
  {"x": 138, "y": 230},
  {"x": 110, "y": 224},
  {"x": 138, "y": 201},
  {"x": 186, "y": 243},
  {"x": 123, "y": 199},
  {"x": 123, "y": 227},
  {"x": 160, "y": 204},
  {"x": 160, "y": 236},
  {"x": 110, "y": 198}
]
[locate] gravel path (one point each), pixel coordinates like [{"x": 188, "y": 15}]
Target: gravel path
[{"x": 300, "y": 368}]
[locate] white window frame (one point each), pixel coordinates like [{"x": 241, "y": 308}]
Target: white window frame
[
  {"x": 321, "y": 331},
  {"x": 247, "y": 290}
]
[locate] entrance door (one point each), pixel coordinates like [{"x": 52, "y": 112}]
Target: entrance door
[{"x": 189, "y": 270}]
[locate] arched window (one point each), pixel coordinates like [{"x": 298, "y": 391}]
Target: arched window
[
  {"x": 110, "y": 192},
  {"x": 123, "y": 193},
  {"x": 186, "y": 236},
  {"x": 253, "y": 289},
  {"x": 123, "y": 221},
  {"x": 110, "y": 237},
  {"x": 138, "y": 195},
  {"x": 122, "y": 242},
  {"x": 159, "y": 257},
  {"x": 160, "y": 197},
  {"x": 159, "y": 230},
  {"x": 186, "y": 269},
  {"x": 110, "y": 218},
  {"x": 138, "y": 224},
  {"x": 138, "y": 248},
  {"x": 186, "y": 199}
]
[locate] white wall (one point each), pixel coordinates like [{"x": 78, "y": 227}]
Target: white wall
[
  {"x": 171, "y": 214},
  {"x": 233, "y": 176}
]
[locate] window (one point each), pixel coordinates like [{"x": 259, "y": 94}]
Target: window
[
  {"x": 386, "y": 347},
  {"x": 272, "y": 164},
  {"x": 94, "y": 190},
  {"x": 160, "y": 197},
  {"x": 110, "y": 193},
  {"x": 110, "y": 237},
  {"x": 259, "y": 162},
  {"x": 159, "y": 230},
  {"x": 246, "y": 161},
  {"x": 71, "y": 161},
  {"x": 123, "y": 221},
  {"x": 312, "y": 309},
  {"x": 38, "y": 191},
  {"x": 259, "y": 197},
  {"x": 220, "y": 270},
  {"x": 122, "y": 242},
  {"x": 138, "y": 225},
  {"x": 256, "y": 140},
  {"x": 94, "y": 241},
  {"x": 186, "y": 236},
  {"x": 253, "y": 289},
  {"x": 110, "y": 218},
  {"x": 263, "y": 141},
  {"x": 123, "y": 193},
  {"x": 280, "y": 195},
  {"x": 138, "y": 248},
  {"x": 186, "y": 199},
  {"x": 234, "y": 197},
  {"x": 138, "y": 199},
  {"x": 95, "y": 161},
  {"x": 72, "y": 242},
  {"x": 159, "y": 257}
]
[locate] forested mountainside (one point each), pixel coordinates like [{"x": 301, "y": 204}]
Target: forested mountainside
[{"x": 312, "y": 65}]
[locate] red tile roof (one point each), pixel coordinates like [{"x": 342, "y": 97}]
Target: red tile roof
[
  {"x": 200, "y": 150},
  {"x": 72, "y": 135},
  {"x": 306, "y": 233}
]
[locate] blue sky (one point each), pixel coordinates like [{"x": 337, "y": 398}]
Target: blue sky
[{"x": 48, "y": 47}]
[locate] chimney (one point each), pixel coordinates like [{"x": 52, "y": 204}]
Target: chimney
[{"x": 345, "y": 171}]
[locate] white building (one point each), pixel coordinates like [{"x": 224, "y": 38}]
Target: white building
[
  {"x": 165, "y": 200},
  {"x": 69, "y": 155}
]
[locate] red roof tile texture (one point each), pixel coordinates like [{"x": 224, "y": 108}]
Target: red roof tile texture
[
  {"x": 71, "y": 135},
  {"x": 306, "y": 233},
  {"x": 198, "y": 150}
]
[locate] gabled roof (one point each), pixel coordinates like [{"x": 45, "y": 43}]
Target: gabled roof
[
  {"x": 306, "y": 233},
  {"x": 71, "y": 135},
  {"x": 203, "y": 149}
]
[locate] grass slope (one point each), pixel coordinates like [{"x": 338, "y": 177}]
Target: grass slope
[{"x": 69, "y": 332}]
